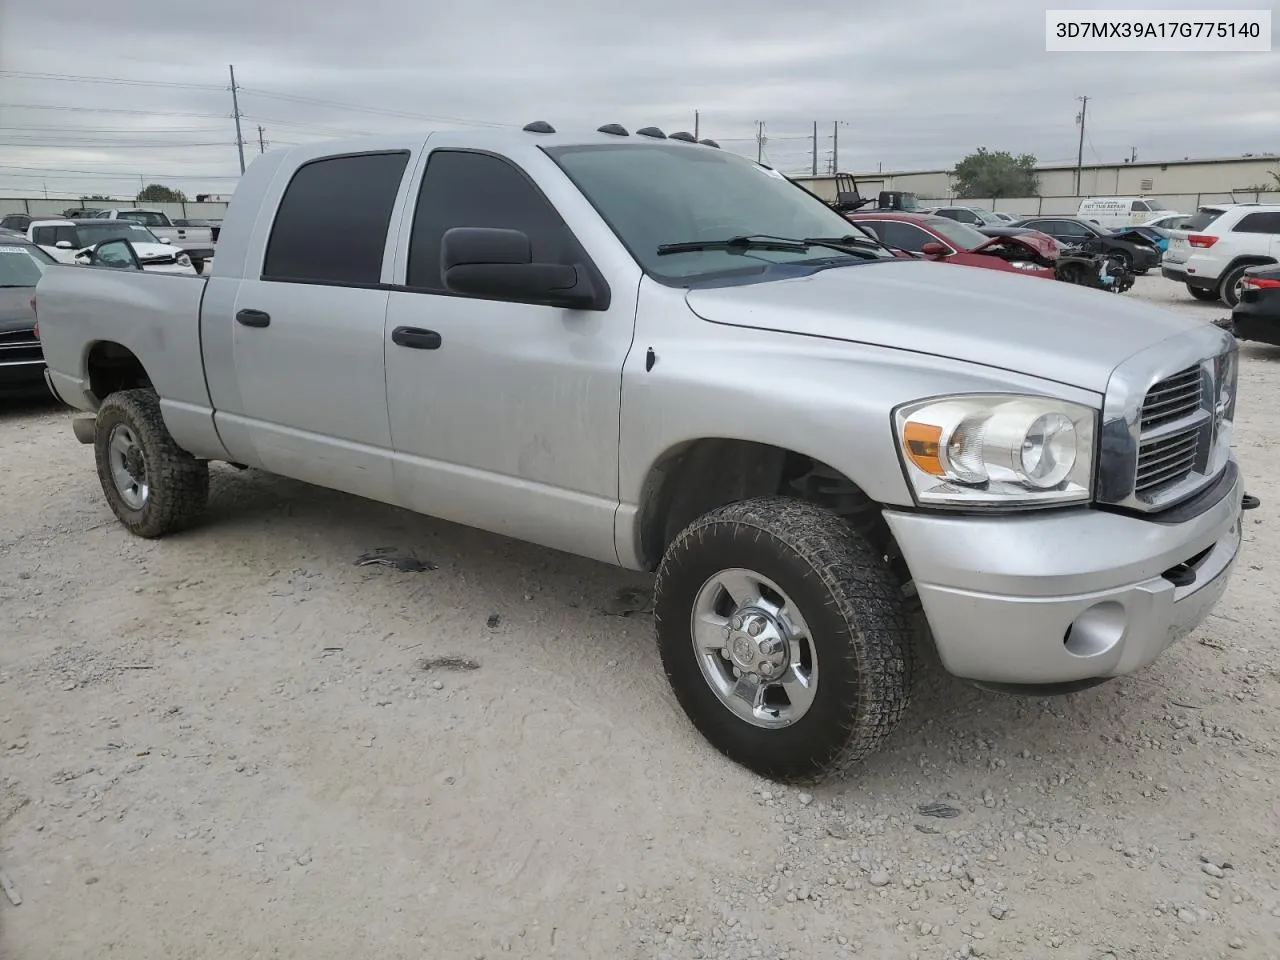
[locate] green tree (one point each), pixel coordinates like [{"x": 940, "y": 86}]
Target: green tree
[
  {"x": 998, "y": 173},
  {"x": 159, "y": 193}
]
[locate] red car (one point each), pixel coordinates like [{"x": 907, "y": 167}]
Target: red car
[{"x": 949, "y": 241}]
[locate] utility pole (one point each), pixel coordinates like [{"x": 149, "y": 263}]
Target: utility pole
[
  {"x": 262, "y": 144},
  {"x": 835, "y": 146},
  {"x": 1133, "y": 154},
  {"x": 235, "y": 105},
  {"x": 760, "y": 141},
  {"x": 1084, "y": 105},
  {"x": 696, "y": 124},
  {"x": 815, "y": 148}
]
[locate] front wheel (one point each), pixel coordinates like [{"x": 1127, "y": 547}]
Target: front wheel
[
  {"x": 784, "y": 636},
  {"x": 153, "y": 486}
]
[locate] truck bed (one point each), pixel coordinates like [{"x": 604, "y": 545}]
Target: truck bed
[{"x": 155, "y": 317}]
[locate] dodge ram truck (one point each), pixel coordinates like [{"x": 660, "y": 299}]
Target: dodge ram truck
[{"x": 648, "y": 351}]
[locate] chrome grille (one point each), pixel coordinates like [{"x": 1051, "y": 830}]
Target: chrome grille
[
  {"x": 1171, "y": 424},
  {"x": 1173, "y": 398}
]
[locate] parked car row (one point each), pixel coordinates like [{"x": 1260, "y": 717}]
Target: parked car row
[
  {"x": 72, "y": 241},
  {"x": 195, "y": 238}
]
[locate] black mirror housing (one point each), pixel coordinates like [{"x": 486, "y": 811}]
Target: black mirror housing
[{"x": 497, "y": 264}]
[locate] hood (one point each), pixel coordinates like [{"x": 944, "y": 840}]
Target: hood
[
  {"x": 995, "y": 318},
  {"x": 1040, "y": 244},
  {"x": 15, "y": 309}
]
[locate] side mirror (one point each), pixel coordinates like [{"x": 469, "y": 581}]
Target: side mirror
[
  {"x": 117, "y": 254},
  {"x": 934, "y": 250},
  {"x": 63, "y": 245},
  {"x": 497, "y": 264}
]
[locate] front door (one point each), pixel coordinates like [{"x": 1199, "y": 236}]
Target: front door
[
  {"x": 504, "y": 416},
  {"x": 306, "y": 337}
]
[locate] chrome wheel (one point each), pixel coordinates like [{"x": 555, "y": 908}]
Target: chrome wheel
[
  {"x": 754, "y": 648},
  {"x": 128, "y": 467}
]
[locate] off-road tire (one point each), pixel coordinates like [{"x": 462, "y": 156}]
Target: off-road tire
[
  {"x": 859, "y": 627},
  {"x": 1200, "y": 293},
  {"x": 178, "y": 482}
]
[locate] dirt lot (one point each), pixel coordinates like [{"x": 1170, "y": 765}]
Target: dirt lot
[{"x": 235, "y": 743}]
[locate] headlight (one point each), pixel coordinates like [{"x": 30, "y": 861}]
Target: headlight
[
  {"x": 1023, "y": 265},
  {"x": 995, "y": 450},
  {"x": 184, "y": 260}
]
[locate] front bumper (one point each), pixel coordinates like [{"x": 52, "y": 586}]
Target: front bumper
[{"x": 1072, "y": 595}]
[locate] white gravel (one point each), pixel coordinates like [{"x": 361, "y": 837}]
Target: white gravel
[{"x": 236, "y": 743}]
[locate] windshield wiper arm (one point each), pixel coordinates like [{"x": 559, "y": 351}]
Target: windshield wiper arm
[
  {"x": 733, "y": 244},
  {"x": 762, "y": 241}
]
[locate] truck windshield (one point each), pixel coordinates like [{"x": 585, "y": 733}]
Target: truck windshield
[
  {"x": 89, "y": 234},
  {"x": 656, "y": 194}
]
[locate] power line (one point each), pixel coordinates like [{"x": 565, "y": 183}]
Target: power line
[
  {"x": 122, "y": 110},
  {"x": 383, "y": 111},
  {"x": 77, "y": 78}
]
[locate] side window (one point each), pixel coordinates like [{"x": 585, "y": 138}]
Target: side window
[
  {"x": 1259, "y": 223},
  {"x": 42, "y": 236},
  {"x": 68, "y": 234},
  {"x": 332, "y": 223},
  {"x": 904, "y": 235},
  {"x": 1140, "y": 206},
  {"x": 949, "y": 213},
  {"x": 466, "y": 189},
  {"x": 143, "y": 217}
]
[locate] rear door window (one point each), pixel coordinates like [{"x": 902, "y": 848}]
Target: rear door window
[
  {"x": 1259, "y": 223},
  {"x": 1203, "y": 217},
  {"x": 331, "y": 226}
]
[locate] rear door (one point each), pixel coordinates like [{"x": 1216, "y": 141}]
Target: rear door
[
  {"x": 1260, "y": 234},
  {"x": 306, "y": 329}
]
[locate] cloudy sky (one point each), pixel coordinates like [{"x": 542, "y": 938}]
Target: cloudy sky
[{"x": 913, "y": 85}]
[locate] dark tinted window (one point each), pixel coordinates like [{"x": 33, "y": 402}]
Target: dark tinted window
[
  {"x": 1204, "y": 216},
  {"x": 465, "y": 189},
  {"x": 1259, "y": 223},
  {"x": 50, "y": 236},
  {"x": 905, "y": 236},
  {"x": 332, "y": 223}
]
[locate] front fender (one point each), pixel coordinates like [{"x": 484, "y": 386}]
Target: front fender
[{"x": 829, "y": 400}]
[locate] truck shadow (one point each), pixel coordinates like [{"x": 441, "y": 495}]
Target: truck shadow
[{"x": 957, "y": 733}]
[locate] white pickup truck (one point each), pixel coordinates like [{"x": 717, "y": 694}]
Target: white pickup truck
[
  {"x": 651, "y": 352},
  {"x": 197, "y": 242}
]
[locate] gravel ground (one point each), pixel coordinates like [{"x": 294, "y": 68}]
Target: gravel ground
[{"x": 239, "y": 743}]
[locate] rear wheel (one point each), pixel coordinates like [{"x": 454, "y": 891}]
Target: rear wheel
[
  {"x": 1200, "y": 293},
  {"x": 1230, "y": 284},
  {"x": 153, "y": 486},
  {"x": 784, "y": 636}
]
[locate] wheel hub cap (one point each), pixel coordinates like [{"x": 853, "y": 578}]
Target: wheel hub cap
[
  {"x": 128, "y": 467},
  {"x": 757, "y": 643},
  {"x": 754, "y": 648}
]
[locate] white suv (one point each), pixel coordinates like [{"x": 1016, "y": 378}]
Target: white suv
[{"x": 1211, "y": 253}]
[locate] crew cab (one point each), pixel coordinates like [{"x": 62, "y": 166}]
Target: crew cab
[
  {"x": 196, "y": 240},
  {"x": 70, "y": 241},
  {"x": 648, "y": 351}
]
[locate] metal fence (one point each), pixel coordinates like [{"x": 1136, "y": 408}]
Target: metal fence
[
  {"x": 1036, "y": 206},
  {"x": 39, "y": 207}
]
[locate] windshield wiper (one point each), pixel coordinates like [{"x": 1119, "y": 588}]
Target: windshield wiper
[{"x": 762, "y": 241}]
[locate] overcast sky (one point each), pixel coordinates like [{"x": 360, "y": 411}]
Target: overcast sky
[{"x": 915, "y": 85}]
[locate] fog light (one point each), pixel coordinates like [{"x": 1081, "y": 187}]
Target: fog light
[{"x": 1096, "y": 630}]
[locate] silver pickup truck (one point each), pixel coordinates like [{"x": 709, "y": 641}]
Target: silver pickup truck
[{"x": 651, "y": 352}]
